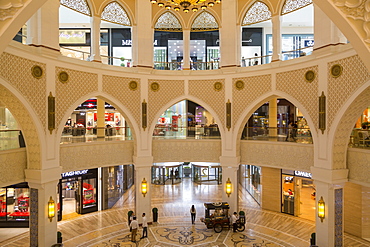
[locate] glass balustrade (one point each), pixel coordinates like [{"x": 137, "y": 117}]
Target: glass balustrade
[
  {"x": 297, "y": 135},
  {"x": 11, "y": 139}
]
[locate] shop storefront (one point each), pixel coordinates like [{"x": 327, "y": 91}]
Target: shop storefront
[
  {"x": 167, "y": 173},
  {"x": 15, "y": 206},
  {"x": 250, "y": 180},
  {"x": 203, "y": 172},
  {"x": 251, "y": 46},
  {"x": 116, "y": 181},
  {"x": 298, "y": 194},
  {"x": 78, "y": 192}
]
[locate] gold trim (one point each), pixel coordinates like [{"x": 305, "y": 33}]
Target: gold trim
[
  {"x": 239, "y": 84},
  {"x": 228, "y": 114},
  {"x": 322, "y": 112},
  {"x": 217, "y": 86},
  {"x": 144, "y": 114},
  {"x": 63, "y": 77},
  {"x": 154, "y": 86},
  {"x": 133, "y": 85},
  {"x": 37, "y": 71},
  {"x": 51, "y": 113},
  {"x": 310, "y": 76},
  {"x": 336, "y": 70}
]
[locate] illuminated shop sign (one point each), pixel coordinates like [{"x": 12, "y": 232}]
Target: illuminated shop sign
[
  {"x": 72, "y": 36},
  {"x": 74, "y": 173},
  {"x": 303, "y": 174},
  {"x": 129, "y": 42}
]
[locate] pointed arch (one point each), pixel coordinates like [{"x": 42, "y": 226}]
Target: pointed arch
[
  {"x": 168, "y": 22},
  {"x": 205, "y": 21},
  {"x": 293, "y": 5},
  {"x": 258, "y": 12},
  {"x": 80, "y": 6},
  {"x": 115, "y": 13}
]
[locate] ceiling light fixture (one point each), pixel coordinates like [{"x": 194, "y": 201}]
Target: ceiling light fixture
[{"x": 186, "y": 4}]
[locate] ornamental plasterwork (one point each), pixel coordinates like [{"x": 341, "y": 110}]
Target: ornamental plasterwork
[
  {"x": 114, "y": 13},
  {"x": 204, "y": 22},
  {"x": 80, "y": 6},
  {"x": 293, "y": 5},
  {"x": 9, "y": 8},
  {"x": 168, "y": 22},
  {"x": 258, "y": 12},
  {"x": 356, "y": 10}
]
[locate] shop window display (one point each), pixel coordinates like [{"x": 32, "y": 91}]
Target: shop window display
[{"x": 14, "y": 204}]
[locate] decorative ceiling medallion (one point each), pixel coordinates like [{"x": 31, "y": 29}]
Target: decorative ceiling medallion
[
  {"x": 132, "y": 85},
  {"x": 310, "y": 76},
  {"x": 63, "y": 77},
  {"x": 239, "y": 85},
  {"x": 336, "y": 70},
  {"x": 37, "y": 71},
  {"x": 217, "y": 86},
  {"x": 154, "y": 86}
]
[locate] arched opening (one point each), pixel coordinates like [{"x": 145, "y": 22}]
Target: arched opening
[
  {"x": 10, "y": 135},
  {"x": 360, "y": 136}
]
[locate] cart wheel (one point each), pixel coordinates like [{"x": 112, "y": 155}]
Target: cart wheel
[
  {"x": 217, "y": 227},
  {"x": 241, "y": 227}
]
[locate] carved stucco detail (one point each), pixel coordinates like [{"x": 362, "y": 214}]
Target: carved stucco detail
[
  {"x": 282, "y": 155},
  {"x": 357, "y": 10},
  {"x": 254, "y": 87},
  {"x": 17, "y": 72},
  {"x": 359, "y": 165},
  {"x": 341, "y": 88},
  {"x": 12, "y": 166},
  {"x": 186, "y": 150},
  {"x": 118, "y": 87},
  {"x": 91, "y": 155},
  {"x": 307, "y": 94},
  {"x": 8, "y": 8},
  {"x": 344, "y": 128},
  {"x": 26, "y": 124},
  {"x": 169, "y": 90},
  {"x": 79, "y": 84},
  {"x": 204, "y": 90}
]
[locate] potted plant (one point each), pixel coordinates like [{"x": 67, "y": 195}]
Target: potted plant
[
  {"x": 155, "y": 214},
  {"x": 59, "y": 237}
]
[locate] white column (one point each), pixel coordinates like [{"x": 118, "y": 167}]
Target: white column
[
  {"x": 273, "y": 118},
  {"x": 230, "y": 167},
  {"x": 230, "y": 34},
  {"x": 186, "y": 49},
  {"x": 95, "y": 39},
  {"x": 100, "y": 118},
  {"x": 43, "y": 26},
  {"x": 276, "y": 38},
  {"x": 142, "y": 36},
  {"x": 326, "y": 32},
  {"x": 143, "y": 166}
]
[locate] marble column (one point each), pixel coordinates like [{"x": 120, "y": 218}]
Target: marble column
[
  {"x": 273, "y": 118},
  {"x": 276, "y": 38},
  {"x": 43, "y": 27},
  {"x": 142, "y": 36},
  {"x": 95, "y": 39},
  {"x": 186, "y": 49},
  {"x": 230, "y": 167},
  {"x": 271, "y": 189},
  {"x": 100, "y": 118}
]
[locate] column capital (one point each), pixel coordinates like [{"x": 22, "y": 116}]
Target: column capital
[
  {"x": 230, "y": 161},
  {"x": 329, "y": 176},
  {"x": 43, "y": 176},
  {"x": 143, "y": 161}
]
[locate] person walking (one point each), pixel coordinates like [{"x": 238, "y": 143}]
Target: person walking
[
  {"x": 134, "y": 225},
  {"x": 234, "y": 218},
  {"x": 193, "y": 213},
  {"x": 145, "y": 226}
]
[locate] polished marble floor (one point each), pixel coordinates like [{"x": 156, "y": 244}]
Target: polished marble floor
[{"x": 174, "y": 228}]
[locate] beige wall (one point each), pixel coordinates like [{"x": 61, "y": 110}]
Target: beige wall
[
  {"x": 271, "y": 189},
  {"x": 353, "y": 209}
]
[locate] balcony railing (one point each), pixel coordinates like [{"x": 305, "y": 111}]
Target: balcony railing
[
  {"x": 162, "y": 131},
  {"x": 298, "y": 135},
  {"x": 193, "y": 65},
  {"x": 90, "y": 134},
  {"x": 360, "y": 138},
  {"x": 11, "y": 139}
]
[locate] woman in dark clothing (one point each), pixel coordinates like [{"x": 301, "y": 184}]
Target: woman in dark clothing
[{"x": 193, "y": 213}]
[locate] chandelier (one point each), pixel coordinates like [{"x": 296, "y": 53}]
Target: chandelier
[{"x": 185, "y": 4}]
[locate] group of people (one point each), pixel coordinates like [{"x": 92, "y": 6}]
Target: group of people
[
  {"x": 292, "y": 131},
  {"x": 134, "y": 226}
]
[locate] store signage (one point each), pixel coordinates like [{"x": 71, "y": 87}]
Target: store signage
[
  {"x": 248, "y": 41},
  {"x": 303, "y": 174},
  {"x": 308, "y": 42},
  {"x": 74, "y": 173},
  {"x": 72, "y": 36},
  {"x": 129, "y": 42}
]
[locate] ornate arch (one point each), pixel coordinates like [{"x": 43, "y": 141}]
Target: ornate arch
[
  {"x": 293, "y": 5},
  {"x": 115, "y": 13},
  {"x": 168, "y": 22},
  {"x": 205, "y": 21},
  {"x": 258, "y": 12},
  {"x": 80, "y": 6}
]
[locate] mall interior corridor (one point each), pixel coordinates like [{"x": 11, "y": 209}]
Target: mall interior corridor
[{"x": 174, "y": 228}]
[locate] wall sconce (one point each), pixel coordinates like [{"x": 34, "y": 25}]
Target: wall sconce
[
  {"x": 51, "y": 209},
  {"x": 144, "y": 188},
  {"x": 228, "y": 187},
  {"x": 321, "y": 209}
]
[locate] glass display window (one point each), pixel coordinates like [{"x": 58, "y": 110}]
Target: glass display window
[
  {"x": 288, "y": 194},
  {"x": 88, "y": 193}
]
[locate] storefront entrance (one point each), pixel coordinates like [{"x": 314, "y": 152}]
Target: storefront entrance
[
  {"x": 206, "y": 173},
  {"x": 166, "y": 173}
]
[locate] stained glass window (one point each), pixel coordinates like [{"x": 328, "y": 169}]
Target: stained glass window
[
  {"x": 204, "y": 22},
  {"x": 168, "y": 22},
  {"x": 114, "y": 12},
  {"x": 258, "y": 12},
  {"x": 292, "y": 5},
  {"x": 77, "y": 5}
]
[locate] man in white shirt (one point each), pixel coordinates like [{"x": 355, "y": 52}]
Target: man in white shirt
[
  {"x": 145, "y": 227},
  {"x": 134, "y": 225},
  {"x": 234, "y": 218}
]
